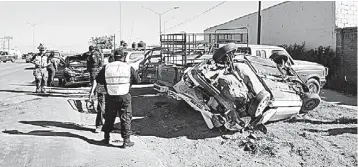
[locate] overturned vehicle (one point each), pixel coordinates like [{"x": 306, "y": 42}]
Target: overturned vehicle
[{"x": 232, "y": 86}]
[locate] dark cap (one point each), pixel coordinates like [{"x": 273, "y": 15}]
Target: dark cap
[
  {"x": 91, "y": 47},
  {"x": 118, "y": 53}
]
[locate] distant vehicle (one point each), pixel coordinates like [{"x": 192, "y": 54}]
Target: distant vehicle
[
  {"x": 133, "y": 58},
  {"x": 29, "y": 57},
  {"x": 72, "y": 70},
  {"x": 5, "y": 56},
  {"x": 313, "y": 74},
  {"x": 107, "y": 53},
  {"x": 23, "y": 56}
]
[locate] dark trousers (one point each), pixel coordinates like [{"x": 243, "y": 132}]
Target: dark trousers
[
  {"x": 100, "y": 109},
  {"x": 51, "y": 75},
  {"x": 122, "y": 106},
  {"x": 93, "y": 73},
  {"x": 40, "y": 78}
]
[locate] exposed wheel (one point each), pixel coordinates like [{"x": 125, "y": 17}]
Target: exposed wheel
[
  {"x": 13, "y": 60},
  {"x": 309, "y": 102},
  {"x": 221, "y": 52},
  {"x": 259, "y": 104},
  {"x": 313, "y": 86},
  {"x": 62, "y": 82}
]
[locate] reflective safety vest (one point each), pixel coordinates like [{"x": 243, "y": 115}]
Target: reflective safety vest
[
  {"x": 40, "y": 61},
  {"x": 117, "y": 76}
]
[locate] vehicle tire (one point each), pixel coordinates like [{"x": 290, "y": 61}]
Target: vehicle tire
[
  {"x": 62, "y": 82},
  {"x": 309, "y": 102},
  {"x": 259, "y": 104},
  {"x": 221, "y": 52},
  {"x": 13, "y": 60},
  {"x": 313, "y": 86}
]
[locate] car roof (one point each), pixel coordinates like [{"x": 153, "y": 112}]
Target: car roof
[
  {"x": 134, "y": 51},
  {"x": 260, "y": 46}
]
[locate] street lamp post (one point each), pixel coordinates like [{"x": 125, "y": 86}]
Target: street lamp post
[
  {"x": 33, "y": 34},
  {"x": 160, "y": 16}
]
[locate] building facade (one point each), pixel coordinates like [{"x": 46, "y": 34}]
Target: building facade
[{"x": 312, "y": 22}]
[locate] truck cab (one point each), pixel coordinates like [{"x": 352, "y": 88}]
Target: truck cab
[{"x": 313, "y": 74}]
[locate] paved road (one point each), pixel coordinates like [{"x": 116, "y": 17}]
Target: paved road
[{"x": 47, "y": 131}]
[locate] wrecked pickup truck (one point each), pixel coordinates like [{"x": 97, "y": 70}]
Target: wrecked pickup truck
[
  {"x": 72, "y": 70},
  {"x": 231, "y": 86}
]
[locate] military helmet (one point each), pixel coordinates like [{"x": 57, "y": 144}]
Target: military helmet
[{"x": 41, "y": 47}]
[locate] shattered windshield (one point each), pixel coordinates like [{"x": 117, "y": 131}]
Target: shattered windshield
[
  {"x": 76, "y": 61},
  {"x": 266, "y": 69}
]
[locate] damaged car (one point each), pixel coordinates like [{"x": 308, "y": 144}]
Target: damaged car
[
  {"x": 232, "y": 86},
  {"x": 72, "y": 70}
]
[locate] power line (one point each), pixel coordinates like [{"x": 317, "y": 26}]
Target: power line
[{"x": 196, "y": 16}]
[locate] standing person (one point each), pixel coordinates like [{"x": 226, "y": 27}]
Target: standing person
[
  {"x": 40, "y": 72},
  {"x": 117, "y": 77},
  {"x": 51, "y": 68},
  {"x": 94, "y": 64}
]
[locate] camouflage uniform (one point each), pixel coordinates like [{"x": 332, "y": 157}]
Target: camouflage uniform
[{"x": 40, "y": 72}]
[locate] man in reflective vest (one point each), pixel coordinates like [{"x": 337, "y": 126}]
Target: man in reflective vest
[
  {"x": 117, "y": 78},
  {"x": 40, "y": 72}
]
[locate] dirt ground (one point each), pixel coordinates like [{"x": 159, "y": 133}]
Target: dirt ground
[{"x": 49, "y": 131}]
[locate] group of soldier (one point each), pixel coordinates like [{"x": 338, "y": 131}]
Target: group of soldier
[
  {"x": 45, "y": 69},
  {"x": 111, "y": 84}
]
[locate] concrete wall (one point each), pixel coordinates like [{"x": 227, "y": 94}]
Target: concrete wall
[
  {"x": 347, "y": 51},
  {"x": 291, "y": 22},
  {"x": 346, "y": 14}
]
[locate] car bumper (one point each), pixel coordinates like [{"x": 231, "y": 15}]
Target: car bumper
[{"x": 78, "y": 80}]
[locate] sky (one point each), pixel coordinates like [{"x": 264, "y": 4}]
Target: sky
[{"x": 68, "y": 25}]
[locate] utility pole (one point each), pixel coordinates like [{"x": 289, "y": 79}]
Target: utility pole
[
  {"x": 114, "y": 42},
  {"x": 120, "y": 21},
  {"x": 259, "y": 24}
]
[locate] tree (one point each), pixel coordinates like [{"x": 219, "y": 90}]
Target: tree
[{"x": 103, "y": 42}]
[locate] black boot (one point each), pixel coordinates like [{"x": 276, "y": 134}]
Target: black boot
[
  {"x": 106, "y": 138},
  {"x": 127, "y": 143}
]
